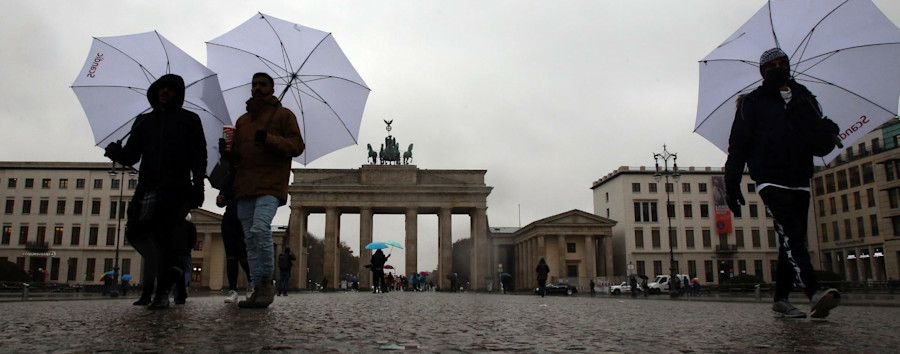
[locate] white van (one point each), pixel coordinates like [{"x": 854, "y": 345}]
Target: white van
[{"x": 661, "y": 283}]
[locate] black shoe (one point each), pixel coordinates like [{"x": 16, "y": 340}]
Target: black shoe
[
  {"x": 144, "y": 301},
  {"x": 179, "y": 301},
  {"x": 159, "y": 302}
]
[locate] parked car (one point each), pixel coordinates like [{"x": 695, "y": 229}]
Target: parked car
[
  {"x": 661, "y": 283},
  {"x": 564, "y": 289},
  {"x": 623, "y": 288}
]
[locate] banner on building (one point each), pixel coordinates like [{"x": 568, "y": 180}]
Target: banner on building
[{"x": 723, "y": 215}]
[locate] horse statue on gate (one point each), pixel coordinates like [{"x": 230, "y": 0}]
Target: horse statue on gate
[
  {"x": 390, "y": 152},
  {"x": 372, "y": 155},
  {"x": 407, "y": 155}
]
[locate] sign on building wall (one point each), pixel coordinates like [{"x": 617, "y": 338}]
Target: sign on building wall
[{"x": 723, "y": 215}]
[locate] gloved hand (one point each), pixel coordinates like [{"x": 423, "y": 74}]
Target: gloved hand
[
  {"x": 197, "y": 195},
  {"x": 260, "y": 137},
  {"x": 113, "y": 150},
  {"x": 830, "y": 126},
  {"x": 734, "y": 199}
]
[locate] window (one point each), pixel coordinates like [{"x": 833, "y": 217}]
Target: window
[
  {"x": 848, "y": 231},
  {"x": 758, "y": 268},
  {"x": 855, "y": 181},
  {"x": 132, "y": 183},
  {"x": 689, "y": 238},
  {"x": 739, "y": 238},
  {"x": 770, "y": 232},
  {"x": 773, "y": 266},
  {"x": 10, "y": 206},
  {"x": 636, "y": 187},
  {"x": 829, "y": 183},
  {"x": 45, "y": 183},
  {"x": 112, "y": 209},
  {"x": 751, "y": 188},
  {"x": 832, "y": 206},
  {"x": 670, "y": 188},
  {"x": 857, "y": 200},
  {"x": 860, "y": 227},
  {"x": 126, "y": 266},
  {"x": 845, "y": 204},
  {"x": 873, "y": 220},
  {"x": 98, "y": 183},
  {"x": 837, "y": 232},
  {"x": 72, "y": 271},
  {"x": 657, "y": 267},
  {"x": 670, "y": 210},
  {"x": 651, "y": 187},
  {"x": 79, "y": 206},
  {"x": 63, "y": 183},
  {"x": 60, "y": 207},
  {"x": 570, "y": 247},
  {"x": 708, "y": 270},
  {"x": 23, "y": 234},
  {"x": 641, "y": 267},
  {"x": 107, "y": 264},
  {"x": 29, "y": 183},
  {"x": 572, "y": 270},
  {"x": 692, "y": 269},
  {"x": 819, "y": 186},
  {"x": 823, "y": 230},
  {"x": 43, "y": 206},
  {"x": 90, "y": 269},
  {"x": 54, "y": 269},
  {"x": 111, "y": 236},
  {"x": 93, "y": 234},
  {"x": 645, "y": 211},
  {"x": 76, "y": 236},
  {"x": 654, "y": 238},
  {"x": 754, "y": 210},
  {"x": 95, "y": 207},
  {"x": 895, "y": 222},
  {"x": 688, "y": 210},
  {"x": 755, "y": 238},
  {"x": 639, "y": 238},
  {"x": 57, "y": 235},
  {"x": 704, "y": 210},
  {"x": 7, "y": 234},
  {"x": 707, "y": 238},
  {"x": 11, "y": 183},
  {"x": 842, "y": 179},
  {"x": 742, "y": 266},
  {"x": 821, "y": 207},
  {"x": 868, "y": 173},
  {"x": 701, "y": 187},
  {"x": 673, "y": 238},
  {"x": 114, "y": 184},
  {"x": 685, "y": 187},
  {"x": 26, "y": 206},
  {"x": 79, "y": 183},
  {"x": 870, "y": 197}
]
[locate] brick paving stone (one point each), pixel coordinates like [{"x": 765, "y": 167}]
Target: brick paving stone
[{"x": 439, "y": 322}]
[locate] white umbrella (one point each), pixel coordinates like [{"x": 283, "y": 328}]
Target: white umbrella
[
  {"x": 845, "y": 51},
  {"x": 313, "y": 78},
  {"x": 112, "y": 87}
]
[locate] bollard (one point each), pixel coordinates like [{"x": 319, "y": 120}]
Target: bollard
[
  {"x": 24, "y": 292},
  {"x": 757, "y": 292}
]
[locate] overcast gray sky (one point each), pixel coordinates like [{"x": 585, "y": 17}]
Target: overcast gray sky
[{"x": 547, "y": 96}]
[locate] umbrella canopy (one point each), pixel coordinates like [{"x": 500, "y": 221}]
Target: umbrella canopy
[
  {"x": 312, "y": 75},
  {"x": 393, "y": 244},
  {"x": 852, "y": 72},
  {"x": 126, "y": 277},
  {"x": 424, "y": 273},
  {"x": 388, "y": 267},
  {"x": 112, "y": 87},
  {"x": 505, "y": 275},
  {"x": 376, "y": 246}
]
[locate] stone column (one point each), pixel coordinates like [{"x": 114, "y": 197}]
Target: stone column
[
  {"x": 445, "y": 248},
  {"x": 412, "y": 229},
  {"x": 480, "y": 248},
  {"x": 297, "y": 241},
  {"x": 561, "y": 252},
  {"x": 212, "y": 274},
  {"x": 331, "y": 265},
  {"x": 590, "y": 255},
  {"x": 365, "y": 238}
]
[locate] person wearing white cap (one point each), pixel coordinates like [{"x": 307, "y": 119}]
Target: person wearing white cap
[{"x": 778, "y": 129}]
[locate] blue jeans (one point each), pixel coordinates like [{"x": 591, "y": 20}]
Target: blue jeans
[{"x": 256, "y": 214}]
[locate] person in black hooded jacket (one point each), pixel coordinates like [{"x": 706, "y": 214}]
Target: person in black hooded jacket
[
  {"x": 778, "y": 129},
  {"x": 169, "y": 143}
]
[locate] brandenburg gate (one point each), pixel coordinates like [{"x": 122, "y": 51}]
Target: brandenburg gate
[{"x": 399, "y": 189}]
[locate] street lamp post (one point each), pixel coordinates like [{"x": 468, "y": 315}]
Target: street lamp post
[
  {"x": 114, "y": 292},
  {"x": 665, "y": 156}
]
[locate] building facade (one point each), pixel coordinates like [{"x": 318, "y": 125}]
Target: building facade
[{"x": 632, "y": 197}]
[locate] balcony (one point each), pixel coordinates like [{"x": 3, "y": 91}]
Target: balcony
[
  {"x": 726, "y": 249},
  {"x": 37, "y": 246}
]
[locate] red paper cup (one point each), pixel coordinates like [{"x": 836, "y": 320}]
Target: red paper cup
[{"x": 228, "y": 135}]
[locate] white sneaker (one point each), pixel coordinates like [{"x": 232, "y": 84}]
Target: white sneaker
[{"x": 232, "y": 297}]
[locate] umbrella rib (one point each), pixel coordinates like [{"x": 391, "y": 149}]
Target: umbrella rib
[
  {"x": 147, "y": 74},
  {"x": 772, "y": 25},
  {"x": 723, "y": 103},
  {"x": 287, "y": 59},
  {"x": 812, "y": 30},
  {"x": 821, "y": 81},
  {"x": 338, "y": 116},
  {"x": 165, "y": 52}
]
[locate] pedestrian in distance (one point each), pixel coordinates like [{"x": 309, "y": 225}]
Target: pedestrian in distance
[
  {"x": 168, "y": 141},
  {"x": 233, "y": 240},
  {"x": 377, "y": 261},
  {"x": 778, "y": 129},
  {"x": 265, "y": 140},
  {"x": 285, "y": 263},
  {"x": 542, "y": 270},
  {"x": 593, "y": 292},
  {"x": 634, "y": 285}
]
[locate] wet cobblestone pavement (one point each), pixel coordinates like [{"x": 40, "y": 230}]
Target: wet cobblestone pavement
[{"x": 439, "y": 322}]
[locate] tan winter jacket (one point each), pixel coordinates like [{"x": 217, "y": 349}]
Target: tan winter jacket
[{"x": 265, "y": 169}]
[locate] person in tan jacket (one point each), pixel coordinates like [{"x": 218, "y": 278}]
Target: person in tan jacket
[{"x": 265, "y": 140}]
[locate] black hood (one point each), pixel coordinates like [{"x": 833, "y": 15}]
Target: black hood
[{"x": 171, "y": 80}]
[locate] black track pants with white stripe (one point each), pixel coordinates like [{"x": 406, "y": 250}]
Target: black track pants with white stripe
[{"x": 790, "y": 211}]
